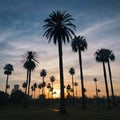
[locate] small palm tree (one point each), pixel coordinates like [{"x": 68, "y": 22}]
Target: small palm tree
[
  {"x": 43, "y": 74},
  {"x": 52, "y": 79},
  {"x": 72, "y": 72},
  {"x": 8, "y": 68},
  {"x": 48, "y": 87},
  {"x": 96, "y": 89},
  {"x": 39, "y": 86},
  {"x": 34, "y": 86},
  {"x": 68, "y": 90},
  {"x": 30, "y": 63},
  {"x": 59, "y": 27},
  {"x": 79, "y": 44},
  {"x": 101, "y": 56},
  {"x": 76, "y": 84},
  {"x": 24, "y": 85}
]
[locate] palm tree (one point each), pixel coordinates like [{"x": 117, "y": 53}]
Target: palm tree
[
  {"x": 96, "y": 89},
  {"x": 76, "y": 84},
  {"x": 43, "y": 74},
  {"x": 24, "y": 85},
  {"x": 98, "y": 92},
  {"x": 68, "y": 90},
  {"x": 39, "y": 86},
  {"x": 34, "y": 86},
  {"x": 101, "y": 56},
  {"x": 110, "y": 57},
  {"x": 29, "y": 62},
  {"x": 79, "y": 44},
  {"x": 72, "y": 72},
  {"x": 59, "y": 28},
  {"x": 48, "y": 87},
  {"x": 52, "y": 79},
  {"x": 8, "y": 68}
]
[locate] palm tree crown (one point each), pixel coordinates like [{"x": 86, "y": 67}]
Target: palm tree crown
[
  {"x": 79, "y": 43},
  {"x": 43, "y": 73},
  {"x": 59, "y": 26},
  {"x": 52, "y": 79},
  {"x": 30, "y": 60},
  {"x": 103, "y": 55},
  {"x": 8, "y": 68},
  {"x": 72, "y": 71}
]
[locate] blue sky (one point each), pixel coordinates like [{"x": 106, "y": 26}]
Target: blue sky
[{"x": 21, "y": 30}]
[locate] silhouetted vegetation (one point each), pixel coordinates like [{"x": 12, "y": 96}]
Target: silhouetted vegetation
[{"x": 4, "y": 98}]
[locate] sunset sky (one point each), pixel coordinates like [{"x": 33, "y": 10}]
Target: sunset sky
[{"x": 21, "y": 30}]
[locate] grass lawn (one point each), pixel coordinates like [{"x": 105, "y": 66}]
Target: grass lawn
[{"x": 37, "y": 113}]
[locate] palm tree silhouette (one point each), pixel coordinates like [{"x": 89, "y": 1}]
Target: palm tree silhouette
[
  {"x": 29, "y": 62},
  {"x": 48, "y": 87},
  {"x": 76, "y": 84},
  {"x": 43, "y": 74},
  {"x": 52, "y": 79},
  {"x": 96, "y": 89},
  {"x": 79, "y": 44},
  {"x": 101, "y": 56},
  {"x": 39, "y": 86},
  {"x": 72, "y": 72},
  {"x": 111, "y": 57},
  {"x": 59, "y": 28},
  {"x": 68, "y": 87},
  {"x": 8, "y": 68},
  {"x": 24, "y": 85},
  {"x": 34, "y": 86}
]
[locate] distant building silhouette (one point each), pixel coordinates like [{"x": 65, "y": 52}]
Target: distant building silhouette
[{"x": 16, "y": 87}]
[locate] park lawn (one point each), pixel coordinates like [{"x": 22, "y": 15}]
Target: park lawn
[{"x": 37, "y": 113}]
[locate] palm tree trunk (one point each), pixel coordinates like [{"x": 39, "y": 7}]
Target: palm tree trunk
[
  {"x": 82, "y": 82},
  {"x": 112, "y": 90},
  {"x": 43, "y": 87},
  {"x": 73, "y": 85},
  {"x": 106, "y": 85},
  {"x": 29, "y": 82},
  {"x": 6, "y": 83},
  {"x": 52, "y": 90},
  {"x": 76, "y": 91},
  {"x": 73, "y": 100},
  {"x": 97, "y": 94},
  {"x": 26, "y": 83},
  {"x": 62, "y": 99}
]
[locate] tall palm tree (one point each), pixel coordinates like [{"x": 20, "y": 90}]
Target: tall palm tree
[
  {"x": 111, "y": 57},
  {"x": 43, "y": 74},
  {"x": 79, "y": 44},
  {"x": 76, "y": 84},
  {"x": 29, "y": 62},
  {"x": 72, "y": 72},
  {"x": 52, "y": 79},
  {"x": 101, "y": 56},
  {"x": 59, "y": 28},
  {"x": 96, "y": 89},
  {"x": 8, "y": 68}
]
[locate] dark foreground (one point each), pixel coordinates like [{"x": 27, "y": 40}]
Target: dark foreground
[{"x": 73, "y": 113}]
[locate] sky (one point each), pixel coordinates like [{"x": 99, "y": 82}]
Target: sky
[{"x": 21, "y": 30}]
